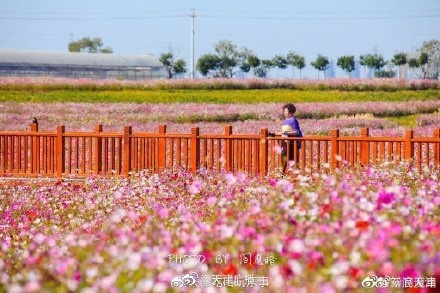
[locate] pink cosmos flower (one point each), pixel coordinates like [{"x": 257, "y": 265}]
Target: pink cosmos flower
[
  {"x": 230, "y": 179},
  {"x": 195, "y": 187},
  {"x": 211, "y": 200},
  {"x": 377, "y": 250},
  {"x": 410, "y": 271},
  {"x": 162, "y": 211},
  {"x": 272, "y": 182},
  {"x": 254, "y": 207},
  {"x": 387, "y": 269},
  {"x": 385, "y": 198}
]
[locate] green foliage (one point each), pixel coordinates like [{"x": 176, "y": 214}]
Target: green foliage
[
  {"x": 384, "y": 74},
  {"x": 409, "y": 121},
  {"x": 299, "y": 62},
  {"x": 89, "y": 45},
  {"x": 208, "y": 63},
  {"x": 296, "y": 60},
  {"x": 374, "y": 61},
  {"x": 179, "y": 66},
  {"x": 216, "y": 118},
  {"x": 260, "y": 71},
  {"x": 321, "y": 63},
  {"x": 247, "y": 59},
  {"x": 267, "y": 63},
  {"x": 213, "y": 96},
  {"x": 280, "y": 62},
  {"x": 253, "y": 61},
  {"x": 346, "y": 63},
  {"x": 432, "y": 50},
  {"x": 413, "y": 63},
  {"x": 172, "y": 66},
  {"x": 399, "y": 59},
  {"x": 228, "y": 55},
  {"x": 226, "y": 58}
]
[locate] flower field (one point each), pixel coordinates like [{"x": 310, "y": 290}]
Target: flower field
[
  {"x": 315, "y": 118},
  {"x": 335, "y": 232},
  {"x": 216, "y": 91},
  {"x": 325, "y": 232},
  {"x": 53, "y": 83}
]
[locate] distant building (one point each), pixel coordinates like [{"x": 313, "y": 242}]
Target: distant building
[
  {"x": 356, "y": 73},
  {"x": 78, "y": 65},
  {"x": 330, "y": 72}
]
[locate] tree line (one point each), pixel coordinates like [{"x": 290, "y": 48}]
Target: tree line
[{"x": 227, "y": 60}]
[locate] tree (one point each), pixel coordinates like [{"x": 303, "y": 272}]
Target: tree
[
  {"x": 420, "y": 62},
  {"x": 247, "y": 60},
  {"x": 297, "y": 61},
  {"x": 260, "y": 71},
  {"x": 89, "y": 45},
  {"x": 423, "y": 62},
  {"x": 221, "y": 64},
  {"x": 172, "y": 66},
  {"x": 432, "y": 49},
  {"x": 399, "y": 59},
  {"x": 372, "y": 61},
  {"x": 321, "y": 63},
  {"x": 413, "y": 63},
  {"x": 280, "y": 62},
  {"x": 179, "y": 66},
  {"x": 254, "y": 62},
  {"x": 346, "y": 63},
  {"x": 363, "y": 61},
  {"x": 228, "y": 56},
  {"x": 384, "y": 74},
  {"x": 208, "y": 63},
  {"x": 267, "y": 65}
]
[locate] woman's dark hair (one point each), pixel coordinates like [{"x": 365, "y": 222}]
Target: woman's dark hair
[{"x": 290, "y": 107}]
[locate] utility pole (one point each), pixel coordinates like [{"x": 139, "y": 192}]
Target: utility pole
[{"x": 193, "y": 16}]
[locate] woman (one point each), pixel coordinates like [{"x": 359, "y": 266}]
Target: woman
[{"x": 290, "y": 128}]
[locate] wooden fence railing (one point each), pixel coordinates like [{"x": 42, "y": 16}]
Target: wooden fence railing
[{"x": 79, "y": 154}]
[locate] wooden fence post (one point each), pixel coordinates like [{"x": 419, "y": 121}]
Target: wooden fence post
[
  {"x": 195, "y": 149},
  {"x": 127, "y": 150},
  {"x": 34, "y": 150},
  {"x": 408, "y": 144},
  {"x": 335, "y": 149},
  {"x": 228, "y": 148},
  {"x": 61, "y": 151},
  {"x": 162, "y": 147},
  {"x": 98, "y": 150},
  {"x": 437, "y": 147},
  {"x": 365, "y": 147},
  {"x": 264, "y": 152}
]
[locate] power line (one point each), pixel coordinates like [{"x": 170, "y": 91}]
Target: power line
[
  {"x": 320, "y": 18},
  {"x": 265, "y": 12},
  {"x": 91, "y": 12},
  {"x": 93, "y": 18},
  {"x": 280, "y": 15}
]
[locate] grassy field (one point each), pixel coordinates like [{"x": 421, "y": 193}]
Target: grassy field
[{"x": 214, "y": 96}]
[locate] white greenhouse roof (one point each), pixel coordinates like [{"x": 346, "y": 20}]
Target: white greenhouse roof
[{"x": 83, "y": 59}]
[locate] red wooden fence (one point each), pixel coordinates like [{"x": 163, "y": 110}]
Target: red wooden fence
[{"x": 79, "y": 154}]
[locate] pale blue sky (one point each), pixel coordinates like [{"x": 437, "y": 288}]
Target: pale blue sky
[{"x": 309, "y": 27}]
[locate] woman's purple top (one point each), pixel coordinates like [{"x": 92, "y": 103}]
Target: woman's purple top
[{"x": 292, "y": 122}]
